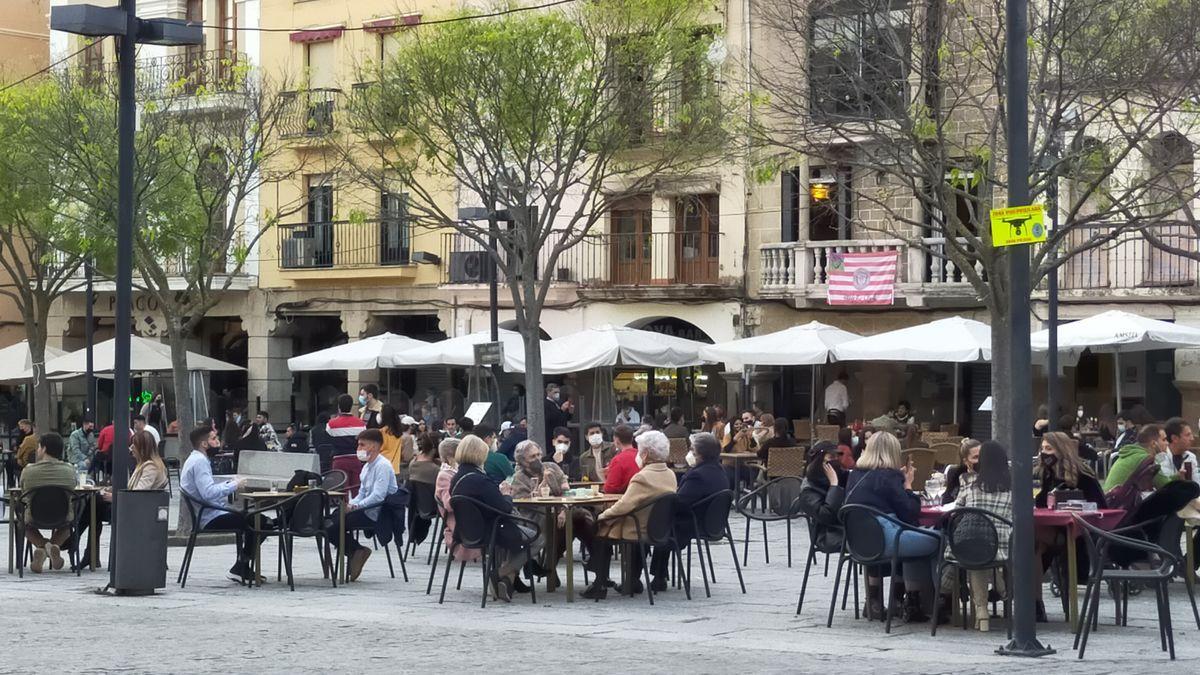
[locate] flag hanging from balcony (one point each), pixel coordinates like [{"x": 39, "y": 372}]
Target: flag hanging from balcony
[{"x": 862, "y": 278}]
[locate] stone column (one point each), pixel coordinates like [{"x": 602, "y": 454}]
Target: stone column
[
  {"x": 733, "y": 391},
  {"x": 762, "y": 387},
  {"x": 355, "y": 324},
  {"x": 1187, "y": 381},
  {"x": 268, "y": 379}
]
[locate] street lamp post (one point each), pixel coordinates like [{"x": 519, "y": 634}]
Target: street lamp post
[
  {"x": 123, "y": 23},
  {"x": 89, "y": 331},
  {"x": 1020, "y": 380}
]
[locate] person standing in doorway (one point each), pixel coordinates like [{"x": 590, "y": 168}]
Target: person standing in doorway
[{"x": 837, "y": 400}]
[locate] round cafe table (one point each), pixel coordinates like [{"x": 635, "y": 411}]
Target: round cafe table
[
  {"x": 1105, "y": 519},
  {"x": 552, "y": 505}
]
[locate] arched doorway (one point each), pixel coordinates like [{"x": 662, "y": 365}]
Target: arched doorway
[{"x": 655, "y": 391}]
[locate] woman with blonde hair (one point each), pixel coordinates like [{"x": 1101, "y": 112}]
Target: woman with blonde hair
[
  {"x": 883, "y": 481},
  {"x": 447, "y": 451}
]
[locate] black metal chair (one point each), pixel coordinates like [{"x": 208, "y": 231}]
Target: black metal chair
[
  {"x": 781, "y": 498},
  {"x": 658, "y": 531},
  {"x": 818, "y": 544},
  {"x": 973, "y": 544},
  {"x": 472, "y": 531},
  {"x": 333, "y": 480},
  {"x": 49, "y": 507},
  {"x": 865, "y": 542},
  {"x": 389, "y": 528},
  {"x": 424, "y": 508},
  {"x": 304, "y": 516},
  {"x": 1100, "y": 544},
  {"x": 710, "y": 518},
  {"x": 196, "y": 510}
]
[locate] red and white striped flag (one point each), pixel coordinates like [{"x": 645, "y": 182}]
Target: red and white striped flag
[{"x": 862, "y": 278}]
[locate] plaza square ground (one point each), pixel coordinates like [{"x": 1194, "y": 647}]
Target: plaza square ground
[{"x": 55, "y": 622}]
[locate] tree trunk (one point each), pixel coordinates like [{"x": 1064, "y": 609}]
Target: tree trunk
[
  {"x": 184, "y": 412},
  {"x": 535, "y": 392},
  {"x": 35, "y": 333}
]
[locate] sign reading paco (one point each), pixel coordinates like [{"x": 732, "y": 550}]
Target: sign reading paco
[{"x": 1018, "y": 225}]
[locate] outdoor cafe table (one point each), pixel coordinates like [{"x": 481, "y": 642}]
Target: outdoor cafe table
[
  {"x": 738, "y": 458},
  {"x": 92, "y": 492},
  {"x": 1105, "y": 519},
  {"x": 552, "y": 506},
  {"x": 268, "y": 497}
]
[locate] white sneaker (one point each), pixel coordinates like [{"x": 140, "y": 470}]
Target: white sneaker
[
  {"x": 55, "y": 555},
  {"x": 39, "y": 559}
]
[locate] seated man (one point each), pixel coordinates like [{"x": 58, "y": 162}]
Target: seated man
[
  {"x": 49, "y": 469},
  {"x": 705, "y": 479},
  {"x": 624, "y": 464},
  {"x": 653, "y": 480},
  {"x": 533, "y": 474},
  {"x": 376, "y": 482},
  {"x": 196, "y": 480}
]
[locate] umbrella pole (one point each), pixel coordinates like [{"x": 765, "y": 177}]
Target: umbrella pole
[
  {"x": 956, "y": 367},
  {"x": 812, "y": 402},
  {"x": 1117, "y": 374}
]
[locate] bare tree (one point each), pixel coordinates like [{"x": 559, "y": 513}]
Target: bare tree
[
  {"x": 549, "y": 116},
  {"x": 910, "y": 97}
]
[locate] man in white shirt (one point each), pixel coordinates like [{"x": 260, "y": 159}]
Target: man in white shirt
[
  {"x": 140, "y": 424},
  {"x": 629, "y": 416},
  {"x": 837, "y": 400},
  {"x": 377, "y": 482},
  {"x": 1179, "y": 454},
  {"x": 196, "y": 480}
]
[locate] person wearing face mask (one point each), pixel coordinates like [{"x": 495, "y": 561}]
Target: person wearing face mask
[
  {"x": 1127, "y": 430},
  {"x": 595, "y": 458},
  {"x": 533, "y": 474},
  {"x": 376, "y": 483},
  {"x": 964, "y": 473},
  {"x": 557, "y": 412},
  {"x": 849, "y": 447},
  {"x": 652, "y": 480},
  {"x": 369, "y": 406},
  {"x": 562, "y": 454},
  {"x": 196, "y": 480},
  {"x": 704, "y": 479},
  {"x": 624, "y": 464}
]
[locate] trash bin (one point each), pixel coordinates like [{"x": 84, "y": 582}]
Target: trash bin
[{"x": 140, "y": 521}]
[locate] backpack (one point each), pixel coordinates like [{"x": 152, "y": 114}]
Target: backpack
[{"x": 1128, "y": 495}]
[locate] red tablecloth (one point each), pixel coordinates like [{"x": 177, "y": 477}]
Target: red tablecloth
[{"x": 1105, "y": 519}]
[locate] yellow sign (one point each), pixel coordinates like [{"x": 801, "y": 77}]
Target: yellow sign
[{"x": 1018, "y": 225}]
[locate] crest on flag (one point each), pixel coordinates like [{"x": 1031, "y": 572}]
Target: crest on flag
[{"x": 862, "y": 278}]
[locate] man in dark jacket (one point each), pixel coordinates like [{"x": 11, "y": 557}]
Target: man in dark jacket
[
  {"x": 705, "y": 479},
  {"x": 558, "y": 412}
]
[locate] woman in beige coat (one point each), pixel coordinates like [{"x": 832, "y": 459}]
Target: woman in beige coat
[{"x": 627, "y": 518}]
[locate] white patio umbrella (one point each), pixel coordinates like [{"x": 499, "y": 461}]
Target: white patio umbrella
[
  {"x": 458, "y": 351},
  {"x": 358, "y": 355},
  {"x": 16, "y": 361},
  {"x": 810, "y": 344},
  {"x": 954, "y": 340},
  {"x": 610, "y": 345},
  {"x": 1116, "y": 332},
  {"x": 145, "y": 356}
]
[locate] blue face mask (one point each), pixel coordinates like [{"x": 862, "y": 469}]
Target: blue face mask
[{"x": 362, "y": 400}]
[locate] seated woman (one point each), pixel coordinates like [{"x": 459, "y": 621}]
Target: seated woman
[
  {"x": 1060, "y": 468},
  {"x": 781, "y": 437},
  {"x": 532, "y": 474},
  {"x": 881, "y": 480},
  {"x": 471, "y": 481},
  {"x": 991, "y": 490},
  {"x": 849, "y": 448},
  {"x": 822, "y": 494},
  {"x": 962, "y": 474},
  {"x": 149, "y": 473},
  {"x": 447, "y": 450}
]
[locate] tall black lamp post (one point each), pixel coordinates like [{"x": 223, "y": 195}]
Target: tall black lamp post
[{"x": 122, "y": 22}]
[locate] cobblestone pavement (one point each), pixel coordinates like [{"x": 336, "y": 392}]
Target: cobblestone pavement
[{"x": 55, "y": 622}]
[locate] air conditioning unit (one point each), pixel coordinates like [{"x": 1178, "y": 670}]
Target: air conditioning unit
[{"x": 470, "y": 267}]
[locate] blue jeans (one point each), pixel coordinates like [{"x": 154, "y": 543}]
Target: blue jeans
[{"x": 916, "y": 552}]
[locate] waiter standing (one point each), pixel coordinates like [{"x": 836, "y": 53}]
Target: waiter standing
[{"x": 837, "y": 400}]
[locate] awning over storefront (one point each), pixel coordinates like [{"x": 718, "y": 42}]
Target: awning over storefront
[
  {"x": 607, "y": 346},
  {"x": 362, "y": 354}
]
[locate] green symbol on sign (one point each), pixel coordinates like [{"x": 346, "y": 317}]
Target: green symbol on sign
[{"x": 1039, "y": 230}]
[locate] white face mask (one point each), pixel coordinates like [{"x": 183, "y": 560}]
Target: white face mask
[
  {"x": 595, "y": 439},
  {"x": 639, "y": 460},
  {"x": 691, "y": 458},
  {"x": 561, "y": 447},
  {"x": 853, "y": 441},
  {"x": 1121, "y": 428},
  {"x": 362, "y": 455}
]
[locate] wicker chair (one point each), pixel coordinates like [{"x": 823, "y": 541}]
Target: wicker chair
[
  {"x": 827, "y": 432},
  {"x": 802, "y": 429},
  {"x": 922, "y": 461},
  {"x": 785, "y": 462},
  {"x": 945, "y": 454},
  {"x": 950, "y": 429},
  {"x": 678, "y": 453}
]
